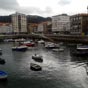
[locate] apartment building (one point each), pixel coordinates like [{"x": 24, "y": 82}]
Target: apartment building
[
  {"x": 60, "y": 23},
  {"x": 79, "y": 24},
  {"x": 19, "y": 23}
]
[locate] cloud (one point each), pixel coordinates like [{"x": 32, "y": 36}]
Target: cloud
[
  {"x": 13, "y": 6},
  {"x": 64, "y": 2},
  {"x": 8, "y": 4},
  {"x": 35, "y": 10}
]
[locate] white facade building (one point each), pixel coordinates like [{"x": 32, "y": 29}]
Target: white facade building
[
  {"x": 60, "y": 23},
  {"x": 5, "y": 28},
  {"x": 40, "y": 28},
  {"x": 19, "y": 23}
]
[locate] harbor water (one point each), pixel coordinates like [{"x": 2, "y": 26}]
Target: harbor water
[{"x": 59, "y": 69}]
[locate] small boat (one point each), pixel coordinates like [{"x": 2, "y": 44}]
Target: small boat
[
  {"x": 82, "y": 47},
  {"x": 37, "y": 58},
  {"x": 41, "y": 42},
  {"x": 3, "y": 75},
  {"x": 35, "y": 67},
  {"x": 19, "y": 48},
  {"x": 29, "y": 44},
  {"x": 51, "y": 46},
  {"x": 2, "y": 61},
  {"x": 58, "y": 50}
]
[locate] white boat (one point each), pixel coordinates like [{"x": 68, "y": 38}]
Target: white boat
[
  {"x": 82, "y": 47},
  {"x": 41, "y": 41},
  {"x": 52, "y": 45},
  {"x": 58, "y": 50},
  {"x": 38, "y": 58},
  {"x": 3, "y": 75},
  {"x": 20, "y": 40}
]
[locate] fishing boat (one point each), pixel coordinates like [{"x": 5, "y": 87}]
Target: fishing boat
[
  {"x": 3, "y": 75},
  {"x": 37, "y": 58},
  {"x": 35, "y": 67}
]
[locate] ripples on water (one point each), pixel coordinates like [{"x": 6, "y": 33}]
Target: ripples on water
[{"x": 60, "y": 69}]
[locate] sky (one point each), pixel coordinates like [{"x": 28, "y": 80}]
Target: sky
[{"x": 45, "y": 8}]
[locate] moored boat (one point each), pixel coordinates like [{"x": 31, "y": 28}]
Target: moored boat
[
  {"x": 58, "y": 50},
  {"x": 37, "y": 58},
  {"x": 35, "y": 67},
  {"x": 29, "y": 44},
  {"x": 82, "y": 47},
  {"x": 41, "y": 41},
  {"x": 19, "y": 48},
  {"x": 3, "y": 75},
  {"x": 51, "y": 46},
  {"x": 2, "y": 61}
]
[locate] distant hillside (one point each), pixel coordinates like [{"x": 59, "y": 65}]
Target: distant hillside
[
  {"x": 37, "y": 19},
  {"x": 5, "y": 19},
  {"x": 30, "y": 19}
]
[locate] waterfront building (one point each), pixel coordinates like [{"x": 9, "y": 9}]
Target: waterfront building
[
  {"x": 45, "y": 27},
  {"x": 79, "y": 24},
  {"x": 61, "y": 23},
  {"x": 32, "y": 27},
  {"x": 40, "y": 27},
  {"x": 6, "y": 28},
  {"x": 48, "y": 27},
  {"x": 19, "y": 23}
]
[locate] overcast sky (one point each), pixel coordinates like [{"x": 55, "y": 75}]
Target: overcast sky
[{"x": 43, "y": 7}]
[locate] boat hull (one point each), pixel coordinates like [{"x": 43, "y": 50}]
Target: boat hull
[
  {"x": 2, "y": 61},
  {"x": 19, "y": 48},
  {"x": 35, "y": 67},
  {"x": 37, "y": 58},
  {"x": 3, "y": 76}
]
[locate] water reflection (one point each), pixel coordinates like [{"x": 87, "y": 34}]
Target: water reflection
[
  {"x": 81, "y": 61},
  {"x": 3, "y": 83}
]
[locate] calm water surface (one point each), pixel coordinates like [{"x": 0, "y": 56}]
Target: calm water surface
[{"x": 59, "y": 69}]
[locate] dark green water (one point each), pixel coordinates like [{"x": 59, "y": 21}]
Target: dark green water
[{"x": 59, "y": 69}]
